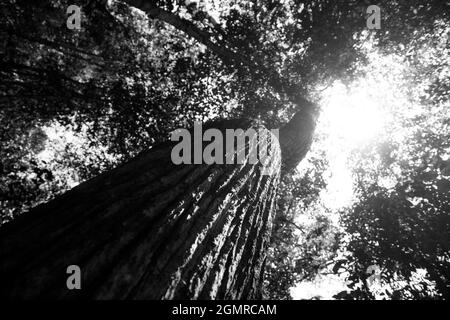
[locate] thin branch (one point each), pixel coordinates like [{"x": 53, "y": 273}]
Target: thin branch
[{"x": 228, "y": 55}]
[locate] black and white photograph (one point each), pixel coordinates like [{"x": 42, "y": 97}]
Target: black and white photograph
[{"x": 238, "y": 151}]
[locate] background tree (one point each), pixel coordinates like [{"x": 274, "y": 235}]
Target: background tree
[{"x": 403, "y": 226}]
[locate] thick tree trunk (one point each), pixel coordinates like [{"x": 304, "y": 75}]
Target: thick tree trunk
[{"x": 149, "y": 229}]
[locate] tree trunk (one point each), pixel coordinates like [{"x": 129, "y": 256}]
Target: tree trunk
[{"x": 148, "y": 229}]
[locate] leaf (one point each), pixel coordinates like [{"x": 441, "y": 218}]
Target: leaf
[{"x": 338, "y": 265}]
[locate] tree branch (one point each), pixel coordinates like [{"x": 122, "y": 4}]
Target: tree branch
[{"x": 228, "y": 55}]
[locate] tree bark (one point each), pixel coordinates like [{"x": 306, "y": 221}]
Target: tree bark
[{"x": 148, "y": 229}]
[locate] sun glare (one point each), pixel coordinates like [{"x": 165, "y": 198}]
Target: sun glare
[{"x": 351, "y": 117}]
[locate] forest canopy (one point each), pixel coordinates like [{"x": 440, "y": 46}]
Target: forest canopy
[{"x": 365, "y": 216}]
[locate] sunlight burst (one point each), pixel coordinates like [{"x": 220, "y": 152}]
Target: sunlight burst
[{"x": 352, "y": 117}]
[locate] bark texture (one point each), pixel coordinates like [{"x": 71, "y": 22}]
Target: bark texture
[
  {"x": 296, "y": 136},
  {"x": 148, "y": 229}
]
